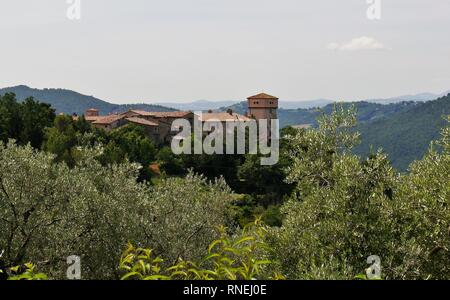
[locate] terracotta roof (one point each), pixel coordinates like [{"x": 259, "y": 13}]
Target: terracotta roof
[
  {"x": 223, "y": 117},
  {"x": 92, "y": 109},
  {"x": 106, "y": 120},
  {"x": 93, "y": 118},
  {"x": 141, "y": 112},
  {"x": 155, "y": 168},
  {"x": 170, "y": 114},
  {"x": 141, "y": 121},
  {"x": 262, "y": 96},
  {"x": 173, "y": 114}
]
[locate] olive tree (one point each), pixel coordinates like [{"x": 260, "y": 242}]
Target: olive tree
[
  {"x": 345, "y": 209},
  {"x": 339, "y": 212},
  {"x": 49, "y": 211},
  {"x": 423, "y": 216},
  {"x": 182, "y": 215}
]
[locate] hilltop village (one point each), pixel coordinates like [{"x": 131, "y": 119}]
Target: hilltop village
[{"x": 158, "y": 125}]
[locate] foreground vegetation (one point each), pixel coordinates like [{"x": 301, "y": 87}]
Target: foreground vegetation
[{"x": 334, "y": 210}]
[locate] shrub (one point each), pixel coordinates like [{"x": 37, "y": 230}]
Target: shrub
[{"x": 239, "y": 257}]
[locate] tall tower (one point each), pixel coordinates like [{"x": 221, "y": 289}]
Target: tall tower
[
  {"x": 92, "y": 112},
  {"x": 263, "y": 106}
]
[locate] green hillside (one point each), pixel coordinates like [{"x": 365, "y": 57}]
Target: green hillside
[
  {"x": 406, "y": 135},
  {"x": 69, "y": 102},
  {"x": 404, "y": 130}
]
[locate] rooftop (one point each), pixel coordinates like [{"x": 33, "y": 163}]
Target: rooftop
[
  {"x": 106, "y": 120},
  {"x": 171, "y": 114},
  {"x": 92, "y": 118},
  {"x": 223, "y": 117},
  {"x": 141, "y": 121},
  {"x": 262, "y": 96}
]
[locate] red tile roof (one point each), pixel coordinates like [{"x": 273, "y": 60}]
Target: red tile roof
[
  {"x": 141, "y": 112},
  {"x": 262, "y": 96},
  {"x": 93, "y": 118},
  {"x": 107, "y": 120},
  {"x": 223, "y": 117},
  {"x": 174, "y": 114},
  {"x": 171, "y": 114},
  {"x": 155, "y": 168},
  {"x": 141, "y": 121}
]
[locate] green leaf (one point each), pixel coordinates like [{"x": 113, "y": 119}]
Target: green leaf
[
  {"x": 131, "y": 274},
  {"x": 213, "y": 244}
]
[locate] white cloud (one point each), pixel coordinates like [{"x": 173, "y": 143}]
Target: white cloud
[{"x": 358, "y": 44}]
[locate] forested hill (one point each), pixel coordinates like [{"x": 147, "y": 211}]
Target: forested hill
[
  {"x": 405, "y": 135},
  {"x": 67, "y": 101}
]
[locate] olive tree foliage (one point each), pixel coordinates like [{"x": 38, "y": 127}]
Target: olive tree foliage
[
  {"x": 49, "y": 211},
  {"x": 336, "y": 216},
  {"x": 422, "y": 212},
  {"x": 345, "y": 209},
  {"x": 183, "y": 215},
  {"x": 313, "y": 152}
]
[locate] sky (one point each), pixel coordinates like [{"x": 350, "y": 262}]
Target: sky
[{"x": 184, "y": 50}]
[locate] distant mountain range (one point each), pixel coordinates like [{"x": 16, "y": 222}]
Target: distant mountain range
[
  {"x": 203, "y": 105},
  {"x": 69, "y": 102},
  {"x": 422, "y": 97},
  {"x": 200, "y": 105}
]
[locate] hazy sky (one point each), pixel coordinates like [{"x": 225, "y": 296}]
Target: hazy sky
[{"x": 183, "y": 50}]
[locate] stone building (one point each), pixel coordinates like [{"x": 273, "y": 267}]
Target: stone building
[
  {"x": 263, "y": 106},
  {"x": 158, "y": 125}
]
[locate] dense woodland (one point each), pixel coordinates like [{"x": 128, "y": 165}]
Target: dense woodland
[{"x": 69, "y": 189}]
